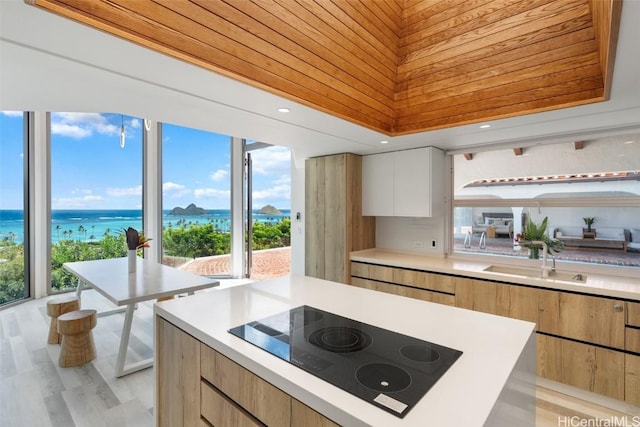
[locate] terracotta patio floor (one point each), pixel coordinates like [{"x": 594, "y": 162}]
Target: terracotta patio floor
[{"x": 267, "y": 264}]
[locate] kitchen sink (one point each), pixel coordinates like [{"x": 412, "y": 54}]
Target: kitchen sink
[{"x": 536, "y": 273}]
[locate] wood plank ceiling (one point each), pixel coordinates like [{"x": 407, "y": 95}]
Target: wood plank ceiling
[{"x": 395, "y": 66}]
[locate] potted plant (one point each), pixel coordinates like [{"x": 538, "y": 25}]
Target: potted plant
[
  {"x": 538, "y": 232},
  {"x": 589, "y": 221}
]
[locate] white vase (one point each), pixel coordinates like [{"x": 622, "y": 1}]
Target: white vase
[{"x": 132, "y": 257}]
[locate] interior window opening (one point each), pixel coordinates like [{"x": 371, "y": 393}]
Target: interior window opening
[{"x": 584, "y": 203}]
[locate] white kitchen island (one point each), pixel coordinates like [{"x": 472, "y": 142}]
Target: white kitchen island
[{"x": 492, "y": 383}]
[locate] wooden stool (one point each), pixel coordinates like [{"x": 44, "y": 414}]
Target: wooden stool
[
  {"x": 77, "y": 340},
  {"x": 55, "y": 308}
]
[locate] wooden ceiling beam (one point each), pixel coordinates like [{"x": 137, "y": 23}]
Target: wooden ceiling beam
[
  {"x": 517, "y": 151},
  {"x": 468, "y": 156},
  {"x": 578, "y": 145}
]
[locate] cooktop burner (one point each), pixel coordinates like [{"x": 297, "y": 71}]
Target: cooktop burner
[
  {"x": 390, "y": 370},
  {"x": 340, "y": 339}
]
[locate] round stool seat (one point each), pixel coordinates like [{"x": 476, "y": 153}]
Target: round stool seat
[
  {"x": 77, "y": 340},
  {"x": 55, "y": 308}
]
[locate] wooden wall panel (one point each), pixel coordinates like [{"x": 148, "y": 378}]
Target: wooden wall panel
[{"x": 388, "y": 65}]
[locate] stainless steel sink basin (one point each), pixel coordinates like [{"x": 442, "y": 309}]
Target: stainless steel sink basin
[{"x": 536, "y": 273}]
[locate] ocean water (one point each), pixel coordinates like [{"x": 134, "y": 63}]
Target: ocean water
[{"x": 86, "y": 225}]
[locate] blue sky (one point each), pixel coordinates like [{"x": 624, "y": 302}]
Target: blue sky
[{"x": 91, "y": 171}]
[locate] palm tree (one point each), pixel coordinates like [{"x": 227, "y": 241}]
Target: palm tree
[{"x": 58, "y": 228}]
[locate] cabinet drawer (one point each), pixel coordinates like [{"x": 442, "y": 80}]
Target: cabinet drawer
[
  {"x": 378, "y": 272},
  {"x": 302, "y": 415},
  {"x": 421, "y": 279},
  {"x": 633, "y": 313},
  {"x": 632, "y": 379},
  {"x": 218, "y": 410},
  {"x": 581, "y": 365},
  {"x": 581, "y": 317},
  {"x": 246, "y": 389},
  {"x": 632, "y": 340},
  {"x": 359, "y": 269},
  {"x": 405, "y": 291}
]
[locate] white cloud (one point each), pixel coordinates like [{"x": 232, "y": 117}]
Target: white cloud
[
  {"x": 83, "y": 191},
  {"x": 13, "y": 113},
  {"x": 219, "y": 175},
  {"x": 172, "y": 186},
  {"x": 74, "y": 202},
  {"x": 174, "y": 190},
  {"x": 272, "y": 161},
  {"x": 211, "y": 193},
  {"x": 81, "y": 125},
  {"x": 69, "y": 130},
  {"x": 277, "y": 192},
  {"x": 125, "y": 192},
  {"x": 134, "y": 123}
]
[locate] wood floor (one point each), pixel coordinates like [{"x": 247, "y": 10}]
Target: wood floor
[{"x": 35, "y": 391}]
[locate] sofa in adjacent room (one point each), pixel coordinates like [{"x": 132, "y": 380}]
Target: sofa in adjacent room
[
  {"x": 502, "y": 223},
  {"x": 605, "y": 237},
  {"x": 634, "y": 239}
]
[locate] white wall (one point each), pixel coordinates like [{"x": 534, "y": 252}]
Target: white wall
[
  {"x": 405, "y": 234},
  {"x": 297, "y": 226}
]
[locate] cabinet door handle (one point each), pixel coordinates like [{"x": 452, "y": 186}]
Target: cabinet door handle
[{"x": 617, "y": 307}]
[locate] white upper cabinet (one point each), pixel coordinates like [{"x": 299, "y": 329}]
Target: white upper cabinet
[
  {"x": 405, "y": 183},
  {"x": 377, "y": 184}
]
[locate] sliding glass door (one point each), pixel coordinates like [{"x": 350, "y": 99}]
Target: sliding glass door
[
  {"x": 268, "y": 210},
  {"x": 13, "y": 231}
]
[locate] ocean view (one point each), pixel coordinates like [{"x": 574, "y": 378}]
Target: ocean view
[{"x": 87, "y": 225}]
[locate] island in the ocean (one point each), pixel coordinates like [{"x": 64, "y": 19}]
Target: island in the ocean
[
  {"x": 192, "y": 209},
  {"x": 269, "y": 210}
]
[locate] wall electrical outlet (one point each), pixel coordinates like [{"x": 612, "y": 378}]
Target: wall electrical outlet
[{"x": 418, "y": 244}]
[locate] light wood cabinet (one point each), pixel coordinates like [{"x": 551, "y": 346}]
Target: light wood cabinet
[
  {"x": 219, "y": 410},
  {"x": 404, "y": 291},
  {"x": 256, "y": 396},
  {"x": 632, "y": 379},
  {"x": 334, "y": 224},
  {"x": 633, "y": 314},
  {"x": 587, "y": 318},
  {"x": 177, "y": 369},
  {"x": 404, "y": 282},
  {"x": 403, "y": 183},
  {"x": 197, "y": 386},
  {"x": 302, "y": 415},
  {"x": 501, "y": 299},
  {"x": 581, "y": 365},
  {"x": 578, "y": 335}
]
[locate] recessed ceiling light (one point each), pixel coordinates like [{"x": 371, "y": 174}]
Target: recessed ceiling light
[
  {"x": 628, "y": 142},
  {"x": 485, "y": 126},
  {"x": 283, "y": 110},
  {"x": 384, "y": 142}
]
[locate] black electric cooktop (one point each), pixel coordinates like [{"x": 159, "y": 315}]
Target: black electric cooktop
[{"x": 387, "y": 369}]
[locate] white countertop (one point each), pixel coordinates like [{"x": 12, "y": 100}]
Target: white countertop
[
  {"x": 596, "y": 284},
  {"x": 465, "y": 395}
]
